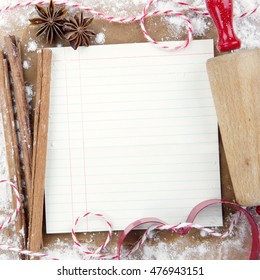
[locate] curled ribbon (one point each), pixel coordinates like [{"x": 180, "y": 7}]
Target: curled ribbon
[
  {"x": 144, "y": 15},
  {"x": 155, "y": 224},
  {"x": 182, "y": 228},
  {"x": 98, "y": 252},
  {"x": 255, "y": 243},
  {"x": 11, "y": 219}
]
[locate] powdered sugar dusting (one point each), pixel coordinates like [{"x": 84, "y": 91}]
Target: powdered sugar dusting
[
  {"x": 200, "y": 248},
  {"x": 5, "y": 201},
  {"x": 5, "y": 193},
  {"x": 32, "y": 46},
  {"x": 200, "y": 25},
  {"x": 100, "y": 38},
  {"x": 26, "y": 64},
  {"x": 247, "y": 29}
]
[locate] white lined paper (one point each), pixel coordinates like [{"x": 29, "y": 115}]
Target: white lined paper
[{"x": 132, "y": 133}]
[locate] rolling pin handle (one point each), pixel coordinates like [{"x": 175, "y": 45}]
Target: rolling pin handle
[{"x": 221, "y": 12}]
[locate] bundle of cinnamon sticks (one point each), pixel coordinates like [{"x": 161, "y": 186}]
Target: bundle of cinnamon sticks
[{"x": 21, "y": 138}]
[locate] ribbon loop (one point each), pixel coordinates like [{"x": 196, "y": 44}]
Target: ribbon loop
[
  {"x": 157, "y": 224},
  {"x": 189, "y": 27},
  {"x": 99, "y": 251},
  {"x": 255, "y": 244},
  {"x": 154, "y": 221}
]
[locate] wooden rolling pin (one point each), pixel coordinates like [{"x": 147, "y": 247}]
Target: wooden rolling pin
[{"x": 235, "y": 85}]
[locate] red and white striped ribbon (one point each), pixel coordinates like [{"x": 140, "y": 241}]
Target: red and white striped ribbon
[
  {"x": 15, "y": 213},
  {"x": 184, "y": 6},
  {"x": 189, "y": 27},
  {"x": 181, "y": 229},
  {"x": 145, "y": 14},
  {"x": 8, "y": 222},
  {"x": 184, "y": 228},
  {"x": 99, "y": 252}
]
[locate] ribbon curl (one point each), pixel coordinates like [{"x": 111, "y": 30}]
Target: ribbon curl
[
  {"x": 182, "y": 228},
  {"x": 178, "y": 12},
  {"x": 155, "y": 224}
]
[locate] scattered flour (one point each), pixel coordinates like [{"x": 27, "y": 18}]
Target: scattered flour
[
  {"x": 5, "y": 201},
  {"x": 29, "y": 93},
  {"x": 200, "y": 25},
  {"x": 247, "y": 29},
  {"x": 100, "y": 38},
  {"x": 5, "y": 192},
  {"x": 26, "y": 64},
  {"x": 203, "y": 233},
  {"x": 32, "y": 46},
  {"x": 200, "y": 249}
]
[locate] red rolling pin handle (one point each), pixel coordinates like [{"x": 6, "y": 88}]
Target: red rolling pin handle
[{"x": 221, "y": 12}]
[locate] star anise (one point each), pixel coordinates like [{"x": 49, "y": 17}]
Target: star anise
[
  {"x": 50, "y": 21},
  {"x": 76, "y": 30}
]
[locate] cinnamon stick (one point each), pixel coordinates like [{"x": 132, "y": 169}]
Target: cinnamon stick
[
  {"x": 12, "y": 150},
  {"x": 15, "y": 60},
  {"x": 41, "y": 116}
]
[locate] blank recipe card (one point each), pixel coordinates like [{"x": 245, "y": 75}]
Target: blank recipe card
[{"x": 132, "y": 133}]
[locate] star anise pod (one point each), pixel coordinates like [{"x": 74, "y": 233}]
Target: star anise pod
[
  {"x": 50, "y": 21},
  {"x": 76, "y": 30}
]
